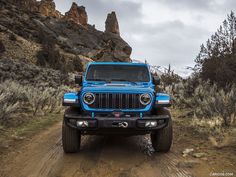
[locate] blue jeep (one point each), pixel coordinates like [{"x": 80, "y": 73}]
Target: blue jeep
[{"x": 117, "y": 98}]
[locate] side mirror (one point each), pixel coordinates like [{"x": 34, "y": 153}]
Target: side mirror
[
  {"x": 78, "y": 80},
  {"x": 156, "y": 80}
]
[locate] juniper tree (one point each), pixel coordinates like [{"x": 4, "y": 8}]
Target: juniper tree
[{"x": 216, "y": 60}]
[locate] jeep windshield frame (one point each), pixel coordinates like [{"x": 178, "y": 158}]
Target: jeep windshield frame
[{"x": 117, "y": 73}]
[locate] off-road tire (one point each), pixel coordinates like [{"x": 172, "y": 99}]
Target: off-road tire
[
  {"x": 70, "y": 139},
  {"x": 162, "y": 139}
]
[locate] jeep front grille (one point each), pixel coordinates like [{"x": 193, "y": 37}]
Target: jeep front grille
[{"x": 117, "y": 101}]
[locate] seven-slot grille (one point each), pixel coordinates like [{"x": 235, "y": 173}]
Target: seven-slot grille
[{"x": 117, "y": 101}]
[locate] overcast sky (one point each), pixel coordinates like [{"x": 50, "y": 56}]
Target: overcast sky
[{"x": 161, "y": 31}]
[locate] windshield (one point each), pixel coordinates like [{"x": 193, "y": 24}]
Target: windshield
[{"x": 110, "y": 73}]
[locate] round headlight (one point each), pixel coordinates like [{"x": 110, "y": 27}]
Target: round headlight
[
  {"x": 145, "y": 99},
  {"x": 89, "y": 98}
]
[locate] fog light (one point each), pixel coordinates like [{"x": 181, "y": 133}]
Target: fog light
[
  {"x": 150, "y": 124},
  {"x": 82, "y": 124}
]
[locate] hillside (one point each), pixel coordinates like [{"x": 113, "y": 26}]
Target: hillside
[{"x": 36, "y": 32}]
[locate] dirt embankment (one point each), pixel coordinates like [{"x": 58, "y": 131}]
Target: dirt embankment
[{"x": 42, "y": 155}]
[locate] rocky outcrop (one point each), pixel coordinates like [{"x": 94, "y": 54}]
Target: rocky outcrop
[
  {"x": 44, "y": 7},
  {"x": 30, "y": 5},
  {"x": 112, "y": 25},
  {"x": 114, "y": 49},
  {"x": 48, "y": 8},
  {"x": 71, "y": 35},
  {"x": 77, "y": 14}
]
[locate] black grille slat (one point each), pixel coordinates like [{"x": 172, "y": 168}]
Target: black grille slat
[
  {"x": 130, "y": 101},
  {"x": 123, "y": 101},
  {"x": 100, "y": 101},
  {"x": 96, "y": 103},
  {"x": 120, "y": 101},
  {"x": 127, "y": 100},
  {"x": 137, "y": 102},
  {"x": 117, "y": 101},
  {"x": 107, "y": 102}
]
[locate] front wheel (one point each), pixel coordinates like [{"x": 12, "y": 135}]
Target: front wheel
[
  {"x": 70, "y": 139},
  {"x": 162, "y": 139}
]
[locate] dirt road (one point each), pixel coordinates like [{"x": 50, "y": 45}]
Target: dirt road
[{"x": 42, "y": 156}]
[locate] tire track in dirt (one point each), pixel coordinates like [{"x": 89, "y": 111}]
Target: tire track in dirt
[
  {"x": 43, "y": 156},
  {"x": 128, "y": 157},
  {"x": 37, "y": 157},
  {"x": 52, "y": 157},
  {"x": 85, "y": 160}
]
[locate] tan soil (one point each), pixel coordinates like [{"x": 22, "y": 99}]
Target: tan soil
[{"x": 42, "y": 156}]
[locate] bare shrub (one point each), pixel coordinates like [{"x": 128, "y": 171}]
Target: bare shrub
[
  {"x": 16, "y": 98},
  {"x": 211, "y": 107},
  {"x": 10, "y": 98},
  {"x": 207, "y": 100},
  {"x": 8, "y": 107},
  {"x": 47, "y": 100}
]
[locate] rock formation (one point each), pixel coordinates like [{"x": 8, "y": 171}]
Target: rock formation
[
  {"x": 71, "y": 34},
  {"x": 77, "y": 14},
  {"x": 48, "y": 8},
  {"x": 44, "y": 7},
  {"x": 112, "y": 24}
]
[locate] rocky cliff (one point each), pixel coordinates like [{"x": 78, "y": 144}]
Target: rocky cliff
[
  {"x": 77, "y": 14},
  {"x": 34, "y": 31}
]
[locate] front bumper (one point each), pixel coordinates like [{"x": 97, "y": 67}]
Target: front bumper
[{"x": 112, "y": 125}]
